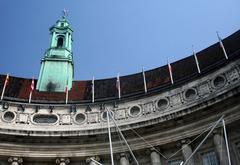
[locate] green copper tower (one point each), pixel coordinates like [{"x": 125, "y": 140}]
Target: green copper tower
[{"x": 57, "y": 68}]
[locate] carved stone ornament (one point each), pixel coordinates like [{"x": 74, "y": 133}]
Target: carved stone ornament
[
  {"x": 62, "y": 161},
  {"x": 15, "y": 160}
]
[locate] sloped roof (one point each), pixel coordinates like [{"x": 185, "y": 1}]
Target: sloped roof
[{"x": 157, "y": 79}]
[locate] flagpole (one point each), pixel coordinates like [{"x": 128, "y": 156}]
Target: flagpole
[
  {"x": 5, "y": 84},
  {"x": 222, "y": 46},
  {"x": 3, "y": 91},
  {"x": 66, "y": 101},
  {"x": 30, "y": 97},
  {"x": 170, "y": 71},
  {"x": 93, "y": 89},
  {"x": 196, "y": 60},
  {"x": 32, "y": 88},
  {"x": 144, "y": 80},
  {"x": 118, "y": 86}
]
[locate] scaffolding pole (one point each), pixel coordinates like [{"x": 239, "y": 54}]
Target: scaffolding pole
[
  {"x": 110, "y": 139},
  {"x": 214, "y": 126},
  {"x": 226, "y": 141},
  {"x": 95, "y": 161},
  {"x": 120, "y": 132}
]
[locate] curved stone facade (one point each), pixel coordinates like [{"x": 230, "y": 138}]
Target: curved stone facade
[{"x": 169, "y": 117}]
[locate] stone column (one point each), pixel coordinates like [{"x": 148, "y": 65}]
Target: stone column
[
  {"x": 155, "y": 157},
  {"x": 91, "y": 162},
  {"x": 124, "y": 159},
  {"x": 187, "y": 151},
  {"x": 62, "y": 161},
  {"x": 220, "y": 146},
  {"x": 15, "y": 160}
]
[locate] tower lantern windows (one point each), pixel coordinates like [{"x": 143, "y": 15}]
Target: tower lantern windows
[{"x": 60, "y": 42}]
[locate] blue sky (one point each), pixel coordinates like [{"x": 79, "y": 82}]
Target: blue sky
[{"x": 112, "y": 36}]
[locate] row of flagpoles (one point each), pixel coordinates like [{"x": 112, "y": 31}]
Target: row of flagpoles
[{"x": 118, "y": 85}]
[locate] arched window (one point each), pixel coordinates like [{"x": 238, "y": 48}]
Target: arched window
[{"x": 60, "y": 42}]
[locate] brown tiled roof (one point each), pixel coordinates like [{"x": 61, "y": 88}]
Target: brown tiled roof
[{"x": 183, "y": 70}]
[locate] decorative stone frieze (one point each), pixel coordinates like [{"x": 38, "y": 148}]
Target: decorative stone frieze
[
  {"x": 23, "y": 118},
  {"x": 176, "y": 99},
  {"x": 162, "y": 103},
  {"x": 134, "y": 111},
  {"x": 190, "y": 94},
  {"x": 9, "y": 116},
  {"x": 45, "y": 119},
  {"x": 93, "y": 117},
  {"x": 155, "y": 108},
  {"x": 203, "y": 88},
  {"x": 80, "y": 118},
  {"x": 148, "y": 108},
  {"x": 219, "y": 81},
  {"x": 120, "y": 114},
  {"x": 233, "y": 75},
  {"x": 66, "y": 119}
]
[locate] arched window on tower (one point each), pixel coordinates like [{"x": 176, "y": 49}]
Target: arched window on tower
[{"x": 60, "y": 42}]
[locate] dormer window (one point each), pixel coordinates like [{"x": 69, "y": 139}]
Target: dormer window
[{"x": 60, "y": 42}]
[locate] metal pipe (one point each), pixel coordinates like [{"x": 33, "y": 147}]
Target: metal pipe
[
  {"x": 95, "y": 161},
  {"x": 214, "y": 126},
  {"x": 226, "y": 141},
  {"x": 120, "y": 132},
  {"x": 110, "y": 139}
]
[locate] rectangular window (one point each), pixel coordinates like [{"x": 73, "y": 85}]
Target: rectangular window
[
  {"x": 209, "y": 158},
  {"x": 174, "y": 162}
]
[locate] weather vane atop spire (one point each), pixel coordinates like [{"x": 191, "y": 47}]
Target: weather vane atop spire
[{"x": 65, "y": 13}]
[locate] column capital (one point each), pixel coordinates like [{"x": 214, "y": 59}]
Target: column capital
[
  {"x": 182, "y": 142},
  {"x": 150, "y": 150},
  {"x": 15, "y": 159},
  {"x": 60, "y": 161},
  {"x": 123, "y": 154},
  {"x": 88, "y": 160}
]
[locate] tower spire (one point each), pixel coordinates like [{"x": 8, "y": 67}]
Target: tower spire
[{"x": 57, "y": 64}]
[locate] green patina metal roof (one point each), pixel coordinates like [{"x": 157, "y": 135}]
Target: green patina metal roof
[{"x": 57, "y": 68}]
